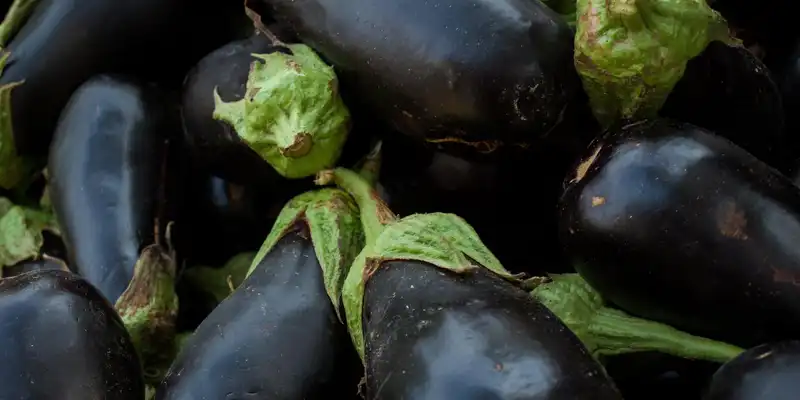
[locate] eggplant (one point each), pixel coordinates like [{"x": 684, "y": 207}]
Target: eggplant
[
  {"x": 214, "y": 145},
  {"x": 766, "y": 372},
  {"x": 285, "y": 110},
  {"x": 427, "y": 299},
  {"x": 61, "y": 339},
  {"x": 105, "y": 171},
  {"x": 53, "y": 46},
  {"x": 672, "y": 223},
  {"x": 466, "y": 77},
  {"x": 729, "y": 91},
  {"x": 482, "y": 193},
  {"x": 279, "y": 334}
]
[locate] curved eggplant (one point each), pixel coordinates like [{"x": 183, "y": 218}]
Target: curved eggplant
[
  {"x": 672, "y": 223},
  {"x": 468, "y": 77},
  {"x": 425, "y": 297},
  {"x": 729, "y": 91},
  {"x": 105, "y": 165},
  {"x": 766, "y": 372},
  {"x": 61, "y": 339},
  {"x": 278, "y": 335}
]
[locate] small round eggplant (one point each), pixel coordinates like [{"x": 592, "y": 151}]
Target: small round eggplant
[
  {"x": 675, "y": 224},
  {"x": 105, "y": 170},
  {"x": 468, "y": 77},
  {"x": 434, "y": 315},
  {"x": 279, "y": 334},
  {"x": 767, "y": 372},
  {"x": 61, "y": 339},
  {"x": 214, "y": 145}
]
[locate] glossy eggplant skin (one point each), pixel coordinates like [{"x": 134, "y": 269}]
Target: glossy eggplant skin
[
  {"x": 468, "y": 77},
  {"x": 675, "y": 224},
  {"x": 507, "y": 215},
  {"x": 276, "y": 337},
  {"x": 34, "y": 265},
  {"x": 66, "y": 42},
  {"x": 105, "y": 170},
  {"x": 215, "y": 145},
  {"x": 432, "y": 334},
  {"x": 62, "y": 340},
  {"x": 729, "y": 91},
  {"x": 766, "y": 372}
]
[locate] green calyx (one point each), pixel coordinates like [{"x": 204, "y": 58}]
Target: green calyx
[
  {"x": 221, "y": 282},
  {"x": 291, "y": 113},
  {"x": 631, "y": 53},
  {"x": 21, "y": 231},
  {"x": 444, "y": 240},
  {"x": 13, "y": 167},
  {"x": 607, "y": 331},
  {"x": 149, "y": 309},
  {"x": 332, "y": 218}
]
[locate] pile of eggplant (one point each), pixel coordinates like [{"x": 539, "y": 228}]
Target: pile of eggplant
[{"x": 394, "y": 200}]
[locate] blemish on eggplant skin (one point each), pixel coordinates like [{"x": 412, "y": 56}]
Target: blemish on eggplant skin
[
  {"x": 785, "y": 276},
  {"x": 731, "y": 221},
  {"x": 598, "y": 201}
]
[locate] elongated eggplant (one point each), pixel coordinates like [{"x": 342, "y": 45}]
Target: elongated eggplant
[
  {"x": 468, "y": 77},
  {"x": 53, "y": 46},
  {"x": 730, "y": 92},
  {"x": 425, "y": 297},
  {"x": 767, "y": 372},
  {"x": 105, "y": 168},
  {"x": 279, "y": 335},
  {"x": 61, "y": 339},
  {"x": 673, "y": 223}
]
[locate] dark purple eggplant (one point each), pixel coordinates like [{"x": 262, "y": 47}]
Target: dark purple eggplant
[
  {"x": 61, "y": 339},
  {"x": 105, "y": 172},
  {"x": 434, "y": 315},
  {"x": 675, "y": 224},
  {"x": 279, "y": 335},
  {"x": 729, "y": 91},
  {"x": 213, "y": 144},
  {"x": 766, "y": 372},
  {"x": 53, "y": 46},
  {"x": 482, "y": 193},
  {"x": 466, "y": 77},
  {"x": 262, "y": 75}
]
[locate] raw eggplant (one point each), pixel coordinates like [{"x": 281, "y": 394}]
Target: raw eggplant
[
  {"x": 427, "y": 299},
  {"x": 214, "y": 145},
  {"x": 467, "y": 77},
  {"x": 766, "y": 372},
  {"x": 105, "y": 169},
  {"x": 62, "y": 43},
  {"x": 61, "y": 339},
  {"x": 672, "y": 223},
  {"x": 729, "y": 91},
  {"x": 279, "y": 335},
  {"x": 482, "y": 193}
]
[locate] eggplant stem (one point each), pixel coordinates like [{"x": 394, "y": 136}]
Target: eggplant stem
[
  {"x": 261, "y": 28},
  {"x": 370, "y": 166},
  {"x": 375, "y": 214},
  {"x": 15, "y": 17},
  {"x": 615, "y": 332}
]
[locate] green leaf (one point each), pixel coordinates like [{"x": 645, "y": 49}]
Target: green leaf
[
  {"x": 291, "y": 113},
  {"x": 221, "y": 282},
  {"x": 21, "y": 232},
  {"x": 631, "y": 53}
]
